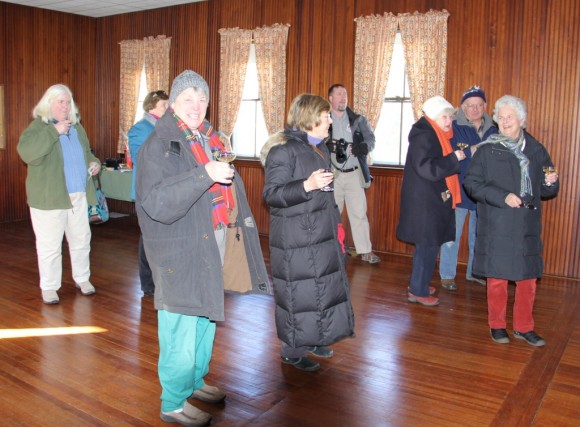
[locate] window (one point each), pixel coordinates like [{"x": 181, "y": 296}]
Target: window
[
  {"x": 250, "y": 131},
  {"x": 142, "y": 94},
  {"x": 396, "y": 116}
]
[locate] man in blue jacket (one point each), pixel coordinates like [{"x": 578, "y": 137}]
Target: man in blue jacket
[
  {"x": 471, "y": 126},
  {"x": 155, "y": 104}
]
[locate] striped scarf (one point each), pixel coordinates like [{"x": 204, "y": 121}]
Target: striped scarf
[
  {"x": 516, "y": 148},
  {"x": 222, "y": 200}
]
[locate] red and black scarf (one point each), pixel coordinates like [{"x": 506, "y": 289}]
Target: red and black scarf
[{"x": 222, "y": 198}]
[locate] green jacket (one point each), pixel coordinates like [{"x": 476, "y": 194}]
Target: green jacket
[{"x": 39, "y": 147}]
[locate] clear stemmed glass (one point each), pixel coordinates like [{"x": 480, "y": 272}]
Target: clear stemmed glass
[
  {"x": 327, "y": 187},
  {"x": 225, "y": 156}
]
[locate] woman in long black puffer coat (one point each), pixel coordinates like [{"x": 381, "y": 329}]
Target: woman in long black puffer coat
[{"x": 311, "y": 290}]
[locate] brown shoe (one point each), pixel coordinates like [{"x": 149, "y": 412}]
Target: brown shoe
[
  {"x": 371, "y": 258},
  {"x": 209, "y": 394},
  {"x": 190, "y": 416},
  {"x": 449, "y": 284}
]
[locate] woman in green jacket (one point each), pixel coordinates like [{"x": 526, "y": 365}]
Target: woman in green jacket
[{"x": 56, "y": 149}]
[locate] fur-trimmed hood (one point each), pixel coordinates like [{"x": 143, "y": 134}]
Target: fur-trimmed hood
[{"x": 280, "y": 138}]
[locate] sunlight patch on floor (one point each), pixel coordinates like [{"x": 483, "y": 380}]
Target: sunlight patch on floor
[{"x": 46, "y": 332}]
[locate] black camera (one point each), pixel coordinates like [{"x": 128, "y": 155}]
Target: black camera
[{"x": 339, "y": 147}]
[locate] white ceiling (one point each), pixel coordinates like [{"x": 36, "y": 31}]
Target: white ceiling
[{"x": 99, "y": 8}]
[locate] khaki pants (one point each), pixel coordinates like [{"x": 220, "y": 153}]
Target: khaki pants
[
  {"x": 347, "y": 190},
  {"x": 49, "y": 227}
]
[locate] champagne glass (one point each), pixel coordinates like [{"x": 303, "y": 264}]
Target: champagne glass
[
  {"x": 225, "y": 156},
  {"x": 327, "y": 187},
  {"x": 549, "y": 170},
  {"x": 462, "y": 145}
]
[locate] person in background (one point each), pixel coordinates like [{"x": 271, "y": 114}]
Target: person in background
[
  {"x": 307, "y": 255},
  {"x": 155, "y": 104},
  {"x": 56, "y": 149},
  {"x": 197, "y": 229},
  {"x": 471, "y": 126},
  {"x": 352, "y": 173},
  {"x": 429, "y": 194},
  {"x": 507, "y": 179}
]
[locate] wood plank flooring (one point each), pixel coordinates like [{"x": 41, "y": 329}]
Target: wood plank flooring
[{"x": 407, "y": 366}]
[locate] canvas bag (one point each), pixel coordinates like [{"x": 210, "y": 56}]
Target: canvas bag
[{"x": 99, "y": 213}]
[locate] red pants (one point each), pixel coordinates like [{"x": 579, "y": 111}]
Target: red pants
[{"x": 497, "y": 296}]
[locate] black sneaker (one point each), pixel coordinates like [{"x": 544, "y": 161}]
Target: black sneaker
[
  {"x": 302, "y": 363},
  {"x": 321, "y": 351},
  {"x": 500, "y": 336},
  {"x": 531, "y": 338}
]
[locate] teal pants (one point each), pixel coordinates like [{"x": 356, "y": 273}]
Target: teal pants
[{"x": 185, "y": 348}]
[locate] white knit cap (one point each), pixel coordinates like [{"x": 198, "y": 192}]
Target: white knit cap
[{"x": 437, "y": 105}]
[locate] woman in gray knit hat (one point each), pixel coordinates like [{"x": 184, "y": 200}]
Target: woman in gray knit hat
[{"x": 188, "y": 207}]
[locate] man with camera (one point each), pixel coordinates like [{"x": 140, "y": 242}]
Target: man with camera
[{"x": 351, "y": 140}]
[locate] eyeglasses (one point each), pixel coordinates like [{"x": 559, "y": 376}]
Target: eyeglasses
[
  {"x": 474, "y": 106},
  {"x": 529, "y": 206}
]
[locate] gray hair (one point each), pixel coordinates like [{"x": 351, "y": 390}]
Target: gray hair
[
  {"x": 42, "y": 109},
  {"x": 518, "y": 105}
]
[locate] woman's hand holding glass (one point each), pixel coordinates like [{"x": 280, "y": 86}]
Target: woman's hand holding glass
[
  {"x": 318, "y": 180},
  {"x": 550, "y": 175}
]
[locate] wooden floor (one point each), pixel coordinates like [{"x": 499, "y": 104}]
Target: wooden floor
[{"x": 407, "y": 366}]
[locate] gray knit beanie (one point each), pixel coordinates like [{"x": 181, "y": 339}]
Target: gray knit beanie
[{"x": 186, "y": 80}]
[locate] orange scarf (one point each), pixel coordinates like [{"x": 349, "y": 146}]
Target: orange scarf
[{"x": 452, "y": 181}]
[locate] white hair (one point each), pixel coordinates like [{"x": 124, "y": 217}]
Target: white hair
[
  {"x": 517, "y": 104},
  {"x": 42, "y": 109}
]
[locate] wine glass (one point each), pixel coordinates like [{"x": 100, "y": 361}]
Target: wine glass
[
  {"x": 462, "y": 145},
  {"x": 225, "y": 156},
  {"x": 549, "y": 170},
  {"x": 327, "y": 187}
]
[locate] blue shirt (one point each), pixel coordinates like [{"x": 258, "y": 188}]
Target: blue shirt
[{"x": 75, "y": 171}]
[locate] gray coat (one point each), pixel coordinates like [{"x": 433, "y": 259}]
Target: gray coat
[
  {"x": 311, "y": 289},
  {"x": 175, "y": 215},
  {"x": 508, "y": 242}
]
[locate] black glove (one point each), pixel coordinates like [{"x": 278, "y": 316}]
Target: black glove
[{"x": 360, "y": 149}]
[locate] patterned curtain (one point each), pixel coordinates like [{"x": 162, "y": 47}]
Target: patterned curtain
[
  {"x": 271, "y": 63},
  {"x": 375, "y": 38},
  {"x": 234, "y": 54},
  {"x": 134, "y": 55},
  {"x": 156, "y": 53},
  {"x": 425, "y": 45}
]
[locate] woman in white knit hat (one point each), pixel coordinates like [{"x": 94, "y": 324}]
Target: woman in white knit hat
[{"x": 429, "y": 194}]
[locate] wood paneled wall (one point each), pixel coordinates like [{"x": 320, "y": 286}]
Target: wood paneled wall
[
  {"x": 38, "y": 49},
  {"x": 527, "y": 48}
]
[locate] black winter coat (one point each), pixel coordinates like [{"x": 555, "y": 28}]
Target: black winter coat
[
  {"x": 508, "y": 241},
  {"x": 311, "y": 289},
  {"x": 425, "y": 218}
]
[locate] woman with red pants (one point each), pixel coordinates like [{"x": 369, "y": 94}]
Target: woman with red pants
[{"x": 506, "y": 178}]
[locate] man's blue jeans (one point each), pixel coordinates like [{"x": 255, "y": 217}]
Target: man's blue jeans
[{"x": 449, "y": 250}]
